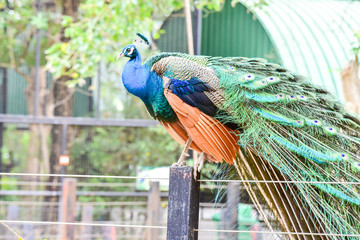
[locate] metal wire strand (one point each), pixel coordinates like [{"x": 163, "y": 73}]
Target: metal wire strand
[
  {"x": 279, "y": 233},
  {"x": 81, "y": 224},
  {"x": 163, "y": 227},
  {"x": 163, "y": 178}
]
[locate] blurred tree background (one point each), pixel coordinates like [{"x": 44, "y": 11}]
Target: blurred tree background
[{"x": 77, "y": 39}]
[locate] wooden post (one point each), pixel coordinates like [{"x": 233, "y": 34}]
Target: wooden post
[
  {"x": 12, "y": 214},
  {"x": 68, "y": 208},
  {"x": 183, "y": 211},
  {"x": 153, "y": 211},
  {"x": 28, "y": 231},
  {"x": 109, "y": 233},
  {"x": 232, "y": 202},
  {"x": 86, "y": 217}
]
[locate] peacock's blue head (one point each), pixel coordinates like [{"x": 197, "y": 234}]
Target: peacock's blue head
[{"x": 129, "y": 51}]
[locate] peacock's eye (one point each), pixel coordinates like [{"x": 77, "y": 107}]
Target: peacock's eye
[{"x": 128, "y": 50}]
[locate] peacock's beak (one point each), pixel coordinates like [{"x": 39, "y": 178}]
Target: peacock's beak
[{"x": 119, "y": 56}]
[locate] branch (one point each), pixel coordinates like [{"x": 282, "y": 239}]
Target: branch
[
  {"x": 64, "y": 100},
  {"x": 27, "y": 44},
  {"x": 86, "y": 93},
  {"x": 11, "y": 50}
]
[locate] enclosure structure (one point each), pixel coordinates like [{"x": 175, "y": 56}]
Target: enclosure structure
[
  {"x": 318, "y": 47},
  {"x": 231, "y": 32}
]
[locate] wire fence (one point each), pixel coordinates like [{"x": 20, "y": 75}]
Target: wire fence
[
  {"x": 165, "y": 178},
  {"x": 117, "y": 227}
]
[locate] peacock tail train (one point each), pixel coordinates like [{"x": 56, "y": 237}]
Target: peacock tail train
[{"x": 271, "y": 125}]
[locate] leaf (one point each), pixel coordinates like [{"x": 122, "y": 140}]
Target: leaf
[
  {"x": 40, "y": 21},
  {"x": 66, "y": 21},
  {"x": 53, "y": 49}
]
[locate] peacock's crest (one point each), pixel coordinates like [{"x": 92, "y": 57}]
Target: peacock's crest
[{"x": 141, "y": 39}]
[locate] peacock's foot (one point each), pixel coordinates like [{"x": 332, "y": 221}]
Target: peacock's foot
[
  {"x": 184, "y": 154},
  {"x": 198, "y": 164},
  {"x": 181, "y": 162}
]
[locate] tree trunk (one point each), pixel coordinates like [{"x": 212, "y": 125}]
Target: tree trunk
[
  {"x": 62, "y": 98},
  {"x": 351, "y": 85},
  {"x": 38, "y": 148}
]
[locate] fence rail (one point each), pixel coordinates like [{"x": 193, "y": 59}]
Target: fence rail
[
  {"x": 79, "y": 121},
  {"x": 184, "y": 190}
]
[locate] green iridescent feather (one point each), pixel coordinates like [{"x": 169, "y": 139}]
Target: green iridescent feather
[{"x": 302, "y": 131}]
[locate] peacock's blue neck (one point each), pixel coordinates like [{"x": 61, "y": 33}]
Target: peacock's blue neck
[
  {"x": 135, "y": 76},
  {"x": 148, "y": 86}
]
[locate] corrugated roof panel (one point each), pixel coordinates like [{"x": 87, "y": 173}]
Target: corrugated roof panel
[
  {"x": 234, "y": 32},
  {"x": 313, "y": 37},
  {"x": 174, "y": 39},
  {"x": 16, "y": 102}
]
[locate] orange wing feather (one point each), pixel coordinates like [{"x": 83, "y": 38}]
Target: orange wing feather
[
  {"x": 210, "y": 136},
  {"x": 178, "y": 132}
]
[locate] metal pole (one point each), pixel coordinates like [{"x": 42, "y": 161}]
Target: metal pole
[
  {"x": 98, "y": 85},
  {"x": 198, "y": 29},
  {"x": 189, "y": 31},
  {"x": 63, "y": 138},
  {"x": 37, "y": 63},
  {"x": 183, "y": 210},
  {"x": 62, "y": 171},
  {"x": 232, "y": 204},
  {"x": 91, "y": 99},
  {"x": 4, "y": 98},
  {"x": 63, "y": 147}
]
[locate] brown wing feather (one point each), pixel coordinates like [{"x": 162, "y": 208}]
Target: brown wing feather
[
  {"x": 211, "y": 136},
  {"x": 178, "y": 133}
]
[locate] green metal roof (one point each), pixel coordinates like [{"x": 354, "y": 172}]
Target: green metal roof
[
  {"x": 313, "y": 37},
  {"x": 16, "y": 102},
  {"x": 234, "y": 32}
]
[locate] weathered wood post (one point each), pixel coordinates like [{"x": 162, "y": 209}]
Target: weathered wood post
[
  {"x": 68, "y": 208},
  {"x": 183, "y": 211},
  {"x": 153, "y": 211},
  {"x": 86, "y": 217},
  {"x": 109, "y": 233},
  {"x": 28, "y": 231},
  {"x": 232, "y": 202},
  {"x": 12, "y": 214}
]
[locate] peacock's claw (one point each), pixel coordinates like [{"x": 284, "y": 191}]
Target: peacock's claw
[
  {"x": 198, "y": 164},
  {"x": 184, "y": 155},
  {"x": 181, "y": 162}
]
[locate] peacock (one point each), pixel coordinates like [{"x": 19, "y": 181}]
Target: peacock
[{"x": 270, "y": 124}]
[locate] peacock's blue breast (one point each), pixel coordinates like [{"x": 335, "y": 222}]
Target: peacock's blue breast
[{"x": 158, "y": 106}]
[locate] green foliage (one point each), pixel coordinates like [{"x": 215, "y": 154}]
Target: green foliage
[
  {"x": 18, "y": 26},
  {"x": 14, "y": 149},
  {"x": 253, "y": 4},
  {"x": 210, "y": 4},
  {"x": 104, "y": 27},
  {"x": 356, "y": 43},
  {"x": 12, "y": 186},
  {"x": 120, "y": 150},
  {"x": 13, "y": 156},
  {"x": 102, "y": 30}
]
